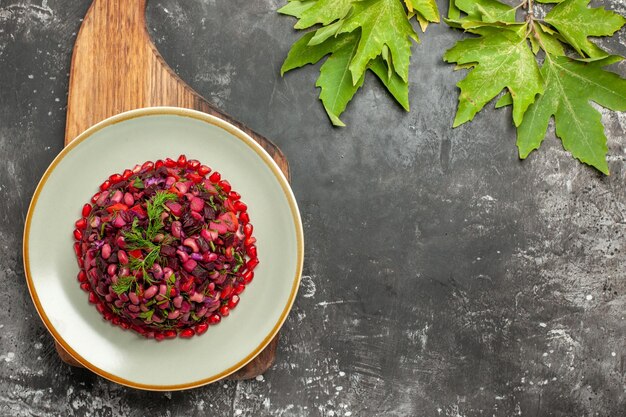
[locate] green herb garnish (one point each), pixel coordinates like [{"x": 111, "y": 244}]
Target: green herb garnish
[
  {"x": 123, "y": 284},
  {"x": 138, "y": 238},
  {"x": 239, "y": 260},
  {"x": 138, "y": 183},
  {"x": 146, "y": 315}
]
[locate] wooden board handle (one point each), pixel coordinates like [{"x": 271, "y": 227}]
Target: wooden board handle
[{"x": 115, "y": 68}]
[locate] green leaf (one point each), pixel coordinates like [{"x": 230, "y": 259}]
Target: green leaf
[
  {"x": 427, "y": 9},
  {"x": 502, "y": 60},
  {"x": 296, "y": 8},
  {"x": 325, "y": 32},
  {"x": 505, "y": 100},
  {"x": 547, "y": 41},
  {"x": 382, "y": 22},
  {"x": 396, "y": 86},
  {"x": 570, "y": 86},
  {"x": 576, "y": 22},
  {"x": 486, "y": 10},
  {"x": 454, "y": 13},
  {"x": 324, "y": 12},
  {"x": 336, "y": 82},
  {"x": 302, "y": 53}
]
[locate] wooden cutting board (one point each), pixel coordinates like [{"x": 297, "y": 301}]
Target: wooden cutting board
[{"x": 115, "y": 68}]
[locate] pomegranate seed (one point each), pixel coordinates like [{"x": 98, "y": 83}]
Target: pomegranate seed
[
  {"x": 100, "y": 308},
  {"x": 224, "y": 311},
  {"x": 158, "y": 164},
  {"x": 248, "y": 276},
  {"x": 203, "y": 170},
  {"x": 85, "y": 286},
  {"x": 187, "y": 333},
  {"x": 105, "y": 185},
  {"x": 124, "y": 325},
  {"x": 215, "y": 177},
  {"x": 87, "y": 209},
  {"x": 82, "y": 276},
  {"x": 182, "y": 161},
  {"x": 239, "y": 288},
  {"x": 251, "y": 251},
  {"x": 108, "y": 315},
  {"x": 214, "y": 318},
  {"x": 126, "y": 174},
  {"x": 170, "y": 334},
  {"x": 81, "y": 224},
  {"x": 116, "y": 320},
  {"x": 234, "y": 300},
  {"x": 92, "y": 297},
  {"x": 240, "y": 206},
  {"x": 201, "y": 328},
  {"x": 247, "y": 229},
  {"x": 77, "y": 249},
  {"x": 95, "y": 197},
  {"x": 244, "y": 217},
  {"x": 193, "y": 164},
  {"x": 252, "y": 263},
  {"x": 158, "y": 336},
  {"x": 234, "y": 195},
  {"x": 225, "y": 185},
  {"x": 115, "y": 178},
  {"x": 195, "y": 178},
  {"x": 78, "y": 235},
  {"x": 147, "y": 166},
  {"x": 249, "y": 241},
  {"x": 226, "y": 292}
]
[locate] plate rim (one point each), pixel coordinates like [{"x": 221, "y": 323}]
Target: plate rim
[{"x": 239, "y": 134}]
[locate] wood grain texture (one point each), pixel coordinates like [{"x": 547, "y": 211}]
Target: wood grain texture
[{"x": 115, "y": 68}]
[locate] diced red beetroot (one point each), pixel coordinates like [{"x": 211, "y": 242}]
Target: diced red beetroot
[
  {"x": 140, "y": 211},
  {"x": 190, "y": 265},
  {"x": 197, "y": 204},
  {"x": 230, "y": 220},
  {"x": 183, "y": 187},
  {"x": 208, "y": 235}
]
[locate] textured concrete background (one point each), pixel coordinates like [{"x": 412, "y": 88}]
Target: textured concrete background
[{"x": 443, "y": 277}]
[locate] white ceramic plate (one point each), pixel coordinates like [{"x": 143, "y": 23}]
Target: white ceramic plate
[{"x": 121, "y": 142}]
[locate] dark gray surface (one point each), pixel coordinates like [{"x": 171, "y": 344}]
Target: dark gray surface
[{"x": 443, "y": 277}]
